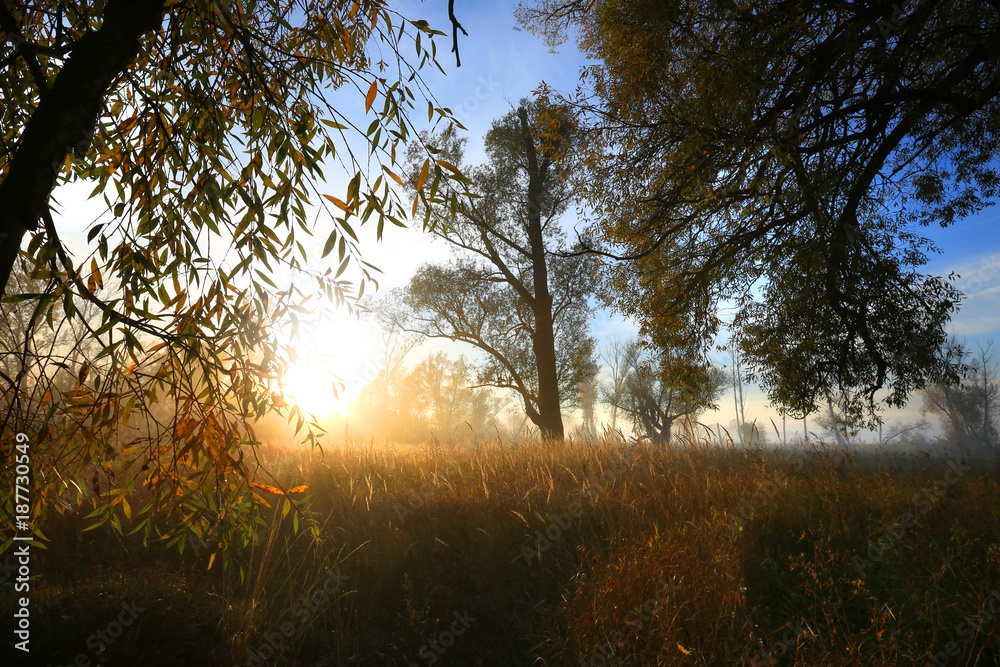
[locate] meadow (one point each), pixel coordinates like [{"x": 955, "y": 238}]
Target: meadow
[{"x": 581, "y": 553}]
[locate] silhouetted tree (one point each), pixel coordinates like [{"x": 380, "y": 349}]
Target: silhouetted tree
[
  {"x": 654, "y": 388},
  {"x": 969, "y": 408},
  {"x": 785, "y": 156},
  {"x": 513, "y": 289}
]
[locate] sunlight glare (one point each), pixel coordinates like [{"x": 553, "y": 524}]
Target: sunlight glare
[
  {"x": 312, "y": 389},
  {"x": 333, "y": 356}
]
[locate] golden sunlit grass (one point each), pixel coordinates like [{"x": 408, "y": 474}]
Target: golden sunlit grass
[{"x": 570, "y": 554}]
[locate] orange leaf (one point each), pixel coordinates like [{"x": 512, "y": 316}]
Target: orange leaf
[
  {"x": 339, "y": 204},
  {"x": 392, "y": 174},
  {"x": 82, "y": 377},
  {"x": 423, "y": 174},
  {"x": 299, "y": 489},
  {"x": 371, "y": 96},
  {"x": 95, "y": 282},
  {"x": 265, "y": 487},
  {"x": 449, "y": 165},
  {"x": 185, "y": 427}
]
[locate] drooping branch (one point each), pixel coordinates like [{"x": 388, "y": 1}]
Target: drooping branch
[
  {"x": 455, "y": 27},
  {"x": 65, "y": 118}
]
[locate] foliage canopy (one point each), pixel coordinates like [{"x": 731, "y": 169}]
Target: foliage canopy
[
  {"x": 206, "y": 128},
  {"x": 785, "y": 156}
]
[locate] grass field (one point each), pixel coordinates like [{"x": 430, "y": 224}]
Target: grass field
[{"x": 575, "y": 554}]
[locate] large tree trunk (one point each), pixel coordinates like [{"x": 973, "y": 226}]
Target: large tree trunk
[
  {"x": 549, "y": 412},
  {"x": 65, "y": 118},
  {"x": 549, "y": 418}
]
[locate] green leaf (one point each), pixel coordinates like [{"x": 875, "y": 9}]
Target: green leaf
[{"x": 330, "y": 241}]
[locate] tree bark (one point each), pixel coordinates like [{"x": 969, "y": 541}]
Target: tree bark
[
  {"x": 65, "y": 119},
  {"x": 549, "y": 418}
]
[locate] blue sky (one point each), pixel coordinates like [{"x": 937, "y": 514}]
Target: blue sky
[{"x": 500, "y": 65}]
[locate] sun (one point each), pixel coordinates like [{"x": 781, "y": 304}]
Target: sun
[
  {"x": 333, "y": 359},
  {"x": 312, "y": 389}
]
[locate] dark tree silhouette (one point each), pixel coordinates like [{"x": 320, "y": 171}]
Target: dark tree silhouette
[
  {"x": 511, "y": 290},
  {"x": 654, "y": 388},
  {"x": 785, "y": 156}
]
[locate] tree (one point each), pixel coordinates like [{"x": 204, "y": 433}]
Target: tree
[
  {"x": 968, "y": 409},
  {"x": 836, "y": 423},
  {"x": 739, "y": 399},
  {"x": 447, "y": 397},
  {"x": 654, "y": 388},
  {"x": 790, "y": 150},
  {"x": 588, "y": 403},
  {"x": 510, "y": 290},
  {"x": 899, "y": 429},
  {"x": 206, "y": 126},
  {"x": 435, "y": 396},
  {"x": 616, "y": 357},
  {"x": 395, "y": 348},
  {"x": 749, "y": 434},
  {"x": 441, "y": 390},
  {"x": 388, "y": 409}
]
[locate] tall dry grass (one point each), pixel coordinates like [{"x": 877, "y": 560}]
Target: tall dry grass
[{"x": 595, "y": 553}]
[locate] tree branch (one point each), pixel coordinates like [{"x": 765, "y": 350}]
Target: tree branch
[{"x": 455, "y": 27}]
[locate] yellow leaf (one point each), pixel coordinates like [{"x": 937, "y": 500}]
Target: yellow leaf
[
  {"x": 339, "y": 204},
  {"x": 95, "y": 282},
  {"x": 82, "y": 375},
  {"x": 683, "y": 650},
  {"x": 371, "y": 96},
  {"x": 392, "y": 174},
  {"x": 449, "y": 165},
  {"x": 423, "y": 174}
]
